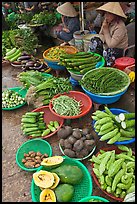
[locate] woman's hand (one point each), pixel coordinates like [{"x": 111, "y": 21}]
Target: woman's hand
[
  {"x": 105, "y": 26},
  {"x": 66, "y": 30}
]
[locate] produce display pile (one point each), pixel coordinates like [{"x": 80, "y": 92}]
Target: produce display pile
[
  {"x": 113, "y": 127},
  {"x": 23, "y": 39},
  {"x": 115, "y": 172},
  {"x": 33, "y": 159},
  {"x": 32, "y": 124},
  {"x": 55, "y": 53},
  {"x": 44, "y": 18},
  {"x": 58, "y": 183},
  {"x": 42, "y": 94},
  {"x": 76, "y": 143},
  {"x": 11, "y": 99},
  {"x": 67, "y": 106},
  {"x": 31, "y": 78},
  {"x": 81, "y": 62},
  {"x": 105, "y": 81}
]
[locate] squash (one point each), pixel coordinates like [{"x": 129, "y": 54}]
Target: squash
[
  {"x": 43, "y": 179},
  {"x": 56, "y": 181},
  {"x": 69, "y": 174},
  {"x": 47, "y": 195},
  {"x": 64, "y": 192},
  {"x": 51, "y": 162}
]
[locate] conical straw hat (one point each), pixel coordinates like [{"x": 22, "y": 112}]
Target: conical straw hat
[
  {"x": 67, "y": 9},
  {"x": 112, "y": 7}
]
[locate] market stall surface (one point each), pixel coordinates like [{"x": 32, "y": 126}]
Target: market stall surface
[{"x": 16, "y": 182}]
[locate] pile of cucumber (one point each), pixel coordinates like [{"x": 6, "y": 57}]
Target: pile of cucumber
[
  {"x": 11, "y": 99},
  {"x": 32, "y": 124},
  {"x": 13, "y": 54},
  {"x": 114, "y": 128},
  {"x": 80, "y": 62},
  {"x": 115, "y": 172}
]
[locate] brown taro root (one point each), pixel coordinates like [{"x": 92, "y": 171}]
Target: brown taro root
[
  {"x": 61, "y": 141},
  {"x": 89, "y": 144},
  {"x": 69, "y": 153},
  {"x": 77, "y": 133},
  {"x": 83, "y": 153},
  {"x": 89, "y": 136},
  {"x": 78, "y": 145},
  {"x": 85, "y": 131},
  {"x": 64, "y": 132},
  {"x": 67, "y": 145},
  {"x": 71, "y": 139}
]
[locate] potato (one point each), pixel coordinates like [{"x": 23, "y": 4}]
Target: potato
[
  {"x": 37, "y": 165},
  {"x": 69, "y": 130},
  {"x": 85, "y": 131},
  {"x": 30, "y": 164},
  {"x": 46, "y": 155},
  {"x": 26, "y": 155},
  {"x": 69, "y": 153},
  {"x": 39, "y": 154},
  {"x": 28, "y": 158},
  {"x": 83, "y": 138},
  {"x": 77, "y": 133},
  {"x": 78, "y": 145},
  {"x": 23, "y": 161},
  {"x": 38, "y": 157},
  {"x": 38, "y": 161},
  {"x": 32, "y": 154},
  {"x": 67, "y": 145},
  {"x": 71, "y": 139}
]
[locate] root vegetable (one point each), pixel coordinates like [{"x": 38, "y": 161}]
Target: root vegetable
[
  {"x": 85, "y": 131},
  {"x": 72, "y": 139},
  {"x": 77, "y": 133},
  {"x": 78, "y": 145},
  {"x": 69, "y": 153}
]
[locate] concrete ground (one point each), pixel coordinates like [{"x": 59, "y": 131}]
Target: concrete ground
[{"x": 16, "y": 182}]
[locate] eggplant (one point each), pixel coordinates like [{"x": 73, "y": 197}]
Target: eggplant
[
  {"x": 16, "y": 63},
  {"x": 30, "y": 64},
  {"x": 25, "y": 57}
]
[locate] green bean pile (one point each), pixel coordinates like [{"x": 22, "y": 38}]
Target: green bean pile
[{"x": 67, "y": 106}]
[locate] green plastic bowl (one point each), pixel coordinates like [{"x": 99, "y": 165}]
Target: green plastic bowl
[
  {"x": 81, "y": 190},
  {"x": 86, "y": 199},
  {"x": 22, "y": 93},
  {"x": 32, "y": 145}
]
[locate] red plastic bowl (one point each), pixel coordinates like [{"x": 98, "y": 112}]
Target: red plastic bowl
[
  {"x": 49, "y": 116},
  {"x": 118, "y": 151},
  {"x": 79, "y": 96}
]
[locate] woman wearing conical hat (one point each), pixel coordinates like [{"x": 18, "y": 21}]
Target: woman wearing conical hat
[
  {"x": 113, "y": 34},
  {"x": 70, "y": 22}
]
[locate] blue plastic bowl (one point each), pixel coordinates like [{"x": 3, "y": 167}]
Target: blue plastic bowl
[
  {"x": 104, "y": 99},
  {"x": 54, "y": 65},
  {"x": 117, "y": 111}
]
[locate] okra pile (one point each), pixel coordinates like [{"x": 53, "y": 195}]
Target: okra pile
[
  {"x": 32, "y": 124},
  {"x": 105, "y": 81},
  {"x": 80, "y": 62},
  {"x": 115, "y": 172},
  {"x": 11, "y": 99},
  {"x": 114, "y": 128}
]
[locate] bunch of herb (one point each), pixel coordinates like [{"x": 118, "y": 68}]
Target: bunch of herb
[{"x": 44, "y": 18}]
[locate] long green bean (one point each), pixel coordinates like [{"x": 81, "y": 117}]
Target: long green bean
[{"x": 65, "y": 105}]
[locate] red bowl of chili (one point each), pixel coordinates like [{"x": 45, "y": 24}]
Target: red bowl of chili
[
  {"x": 117, "y": 151},
  {"x": 83, "y": 99}
]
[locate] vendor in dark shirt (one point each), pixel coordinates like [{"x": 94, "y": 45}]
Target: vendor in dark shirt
[
  {"x": 32, "y": 7},
  {"x": 70, "y": 22}
]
